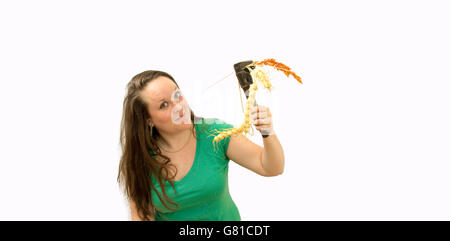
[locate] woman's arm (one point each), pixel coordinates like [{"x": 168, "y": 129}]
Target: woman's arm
[
  {"x": 273, "y": 155},
  {"x": 265, "y": 161}
]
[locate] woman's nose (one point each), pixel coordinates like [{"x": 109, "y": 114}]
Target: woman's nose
[
  {"x": 176, "y": 101},
  {"x": 177, "y": 106}
]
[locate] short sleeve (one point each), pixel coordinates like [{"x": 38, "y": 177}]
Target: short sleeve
[{"x": 219, "y": 125}]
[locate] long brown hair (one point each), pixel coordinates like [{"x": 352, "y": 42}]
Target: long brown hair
[{"x": 136, "y": 140}]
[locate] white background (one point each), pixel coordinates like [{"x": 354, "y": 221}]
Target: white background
[{"x": 366, "y": 137}]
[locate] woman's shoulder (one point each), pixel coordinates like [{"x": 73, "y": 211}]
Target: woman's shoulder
[
  {"x": 213, "y": 123},
  {"x": 211, "y": 128},
  {"x": 208, "y": 127}
]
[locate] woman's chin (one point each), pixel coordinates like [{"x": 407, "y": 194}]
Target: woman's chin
[{"x": 183, "y": 122}]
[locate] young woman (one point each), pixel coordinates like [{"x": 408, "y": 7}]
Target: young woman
[{"x": 169, "y": 168}]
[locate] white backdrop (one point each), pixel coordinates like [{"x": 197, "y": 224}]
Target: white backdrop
[{"x": 366, "y": 137}]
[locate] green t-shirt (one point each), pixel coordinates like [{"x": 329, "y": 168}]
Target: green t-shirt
[{"x": 202, "y": 194}]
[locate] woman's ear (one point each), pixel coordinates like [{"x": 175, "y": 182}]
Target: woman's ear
[{"x": 149, "y": 122}]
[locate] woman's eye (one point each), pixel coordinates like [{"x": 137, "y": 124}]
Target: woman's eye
[{"x": 163, "y": 105}]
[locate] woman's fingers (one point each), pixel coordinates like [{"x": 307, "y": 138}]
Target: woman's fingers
[
  {"x": 263, "y": 127},
  {"x": 261, "y": 112},
  {"x": 262, "y": 119}
]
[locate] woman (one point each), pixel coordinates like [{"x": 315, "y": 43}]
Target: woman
[{"x": 169, "y": 168}]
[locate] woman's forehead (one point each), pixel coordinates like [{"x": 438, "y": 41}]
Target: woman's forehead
[{"x": 159, "y": 89}]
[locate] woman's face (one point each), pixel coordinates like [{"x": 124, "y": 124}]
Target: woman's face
[{"x": 169, "y": 110}]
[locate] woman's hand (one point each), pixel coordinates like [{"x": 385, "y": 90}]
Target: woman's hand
[{"x": 262, "y": 119}]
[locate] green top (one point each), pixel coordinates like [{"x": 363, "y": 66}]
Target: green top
[{"x": 202, "y": 194}]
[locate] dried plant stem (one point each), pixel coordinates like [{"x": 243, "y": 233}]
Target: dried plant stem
[{"x": 244, "y": 127}]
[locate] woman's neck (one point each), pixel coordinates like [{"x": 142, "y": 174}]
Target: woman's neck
[{"x": 175, "y": 141}]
